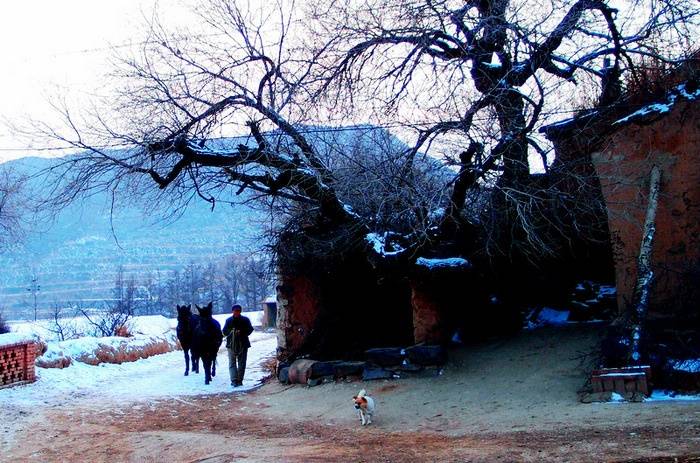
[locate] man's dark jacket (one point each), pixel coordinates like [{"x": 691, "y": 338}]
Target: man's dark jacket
[{"x": 243, "y": 325}]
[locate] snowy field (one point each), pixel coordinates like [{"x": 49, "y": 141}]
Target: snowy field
[
  {"x": 153, "y": 325},
  {"x": 156, "y": 377}
]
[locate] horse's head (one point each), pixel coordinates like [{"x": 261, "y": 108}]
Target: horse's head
[
  {"x": 184, "y": 312},
  {"x": 205, "y": 311}
]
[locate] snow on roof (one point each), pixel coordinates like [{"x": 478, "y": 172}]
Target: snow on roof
[
  {"x": 561, "y": 123},
  {"x": 680, "y": 92},
  {"x": 449, "y": 262},
  {"x": 676, "y": 94},
  {"x": 11, "y": 339}
]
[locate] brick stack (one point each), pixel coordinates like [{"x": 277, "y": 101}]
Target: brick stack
[
  {"x": 622, "y": 380},
  {"x": 17, "y": 363}
]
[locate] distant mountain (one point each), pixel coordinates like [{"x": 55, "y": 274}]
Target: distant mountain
[{"x": 76, "y": 256}]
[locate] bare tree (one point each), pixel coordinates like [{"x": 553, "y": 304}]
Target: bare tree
[
  {"x": 194, "y": 283},
  {"x": 4, "y": 327},
  {"x": 173, "y": 292},
  {"x": 230, "y": 281},
  {"x": 114, "y": 317},
  {"x": 255, "y": 281},
  {"x": 210, "y": 283},
  {"x": 60, "y": 327},
  {"x": 177, "y": 97},
  {"x": 476, "y": 79},
  {"x": 12, "y": 206}
]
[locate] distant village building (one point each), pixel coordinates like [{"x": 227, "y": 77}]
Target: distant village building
[{"x": 269, "y": 319}]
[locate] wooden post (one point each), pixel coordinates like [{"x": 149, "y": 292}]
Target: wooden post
[{"x": 645, "y": 274}]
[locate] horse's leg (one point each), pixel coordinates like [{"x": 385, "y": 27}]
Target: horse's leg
[
  {"x": 195, "y": 362},
  {"x": 187, "y": 360},
  {"x": 207, "y": 370},
  {"x": 213, "y": 367}
]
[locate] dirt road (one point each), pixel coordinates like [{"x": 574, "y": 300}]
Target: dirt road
[{"x": 509, "y": 400}]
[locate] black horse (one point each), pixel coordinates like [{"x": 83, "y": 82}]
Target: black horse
[
  {"x": 207, "y": 340},
  {"x": 186, "y": 324}
]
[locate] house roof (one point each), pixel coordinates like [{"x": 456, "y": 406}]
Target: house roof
[{"x": 684, "y": 80}]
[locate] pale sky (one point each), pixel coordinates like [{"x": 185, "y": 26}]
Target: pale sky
[{"x": 53, "y": 49}]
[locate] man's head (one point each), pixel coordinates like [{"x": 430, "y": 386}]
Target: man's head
[{"x": 236, "y": 309}]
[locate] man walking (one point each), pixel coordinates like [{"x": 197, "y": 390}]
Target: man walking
[{"x": 237, "y": 329}]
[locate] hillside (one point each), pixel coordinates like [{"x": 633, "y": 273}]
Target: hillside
[{"x": 75, "y": 256}]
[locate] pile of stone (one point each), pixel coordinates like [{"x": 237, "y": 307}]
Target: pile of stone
[
  {"x": 380, "y": 363},
  {"x": 592, "y": 301}
]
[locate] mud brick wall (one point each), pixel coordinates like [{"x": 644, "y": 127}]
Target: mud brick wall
[
  {"x": 17, "y": 363},
  {"x": 624, "y": 166},
  {"x": 299, "y": 304}
]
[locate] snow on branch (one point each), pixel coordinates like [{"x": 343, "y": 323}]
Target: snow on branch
[{"x": 448, "y": 262}]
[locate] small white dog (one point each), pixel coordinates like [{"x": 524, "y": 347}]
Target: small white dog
[{"x": 365, "y": 406}]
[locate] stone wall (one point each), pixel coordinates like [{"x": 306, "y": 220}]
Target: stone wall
[{"x": 623, "y": 165}]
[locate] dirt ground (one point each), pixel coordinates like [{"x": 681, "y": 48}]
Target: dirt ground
[{"x": 507, "y": 400}]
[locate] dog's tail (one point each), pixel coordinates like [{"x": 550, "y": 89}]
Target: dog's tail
[{"x": 362, "y": 393}]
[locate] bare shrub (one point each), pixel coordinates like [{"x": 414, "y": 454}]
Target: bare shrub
[{"x": 60, "y": 326}]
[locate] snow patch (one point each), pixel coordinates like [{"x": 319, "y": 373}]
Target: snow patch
[
  {"x": 156, "y": 377},
  {"x": 689, "y": 366},
  {"x": 436, "y": 214},
  {"x": 607, "y": 290},
  {"x": 379, "y": 245},
  {"x": 547, "y": 317},
  {"x": 492, "y": 65},
  {"x": 561, "y": 123},
  {"x": 663, "y": 395},
  {"x": 616, "y": 398},
  {"x": 350, "y": 210},
  {"x": 656, "y": 108},
  {"x": 9, "y": 339},
  {"x": 449, "y": 262}
]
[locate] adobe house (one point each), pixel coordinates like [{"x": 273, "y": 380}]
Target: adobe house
[
  {"x": 338, "y": 308},
  {"x": 666, "y": 134},
  {"x": 623, "y": 143}
]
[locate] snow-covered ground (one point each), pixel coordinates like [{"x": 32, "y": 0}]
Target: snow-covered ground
[
  {"x": 657, "y": 396},
  {"x": 159, "y": 376},
  {"x": 152, "y": 325}
]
